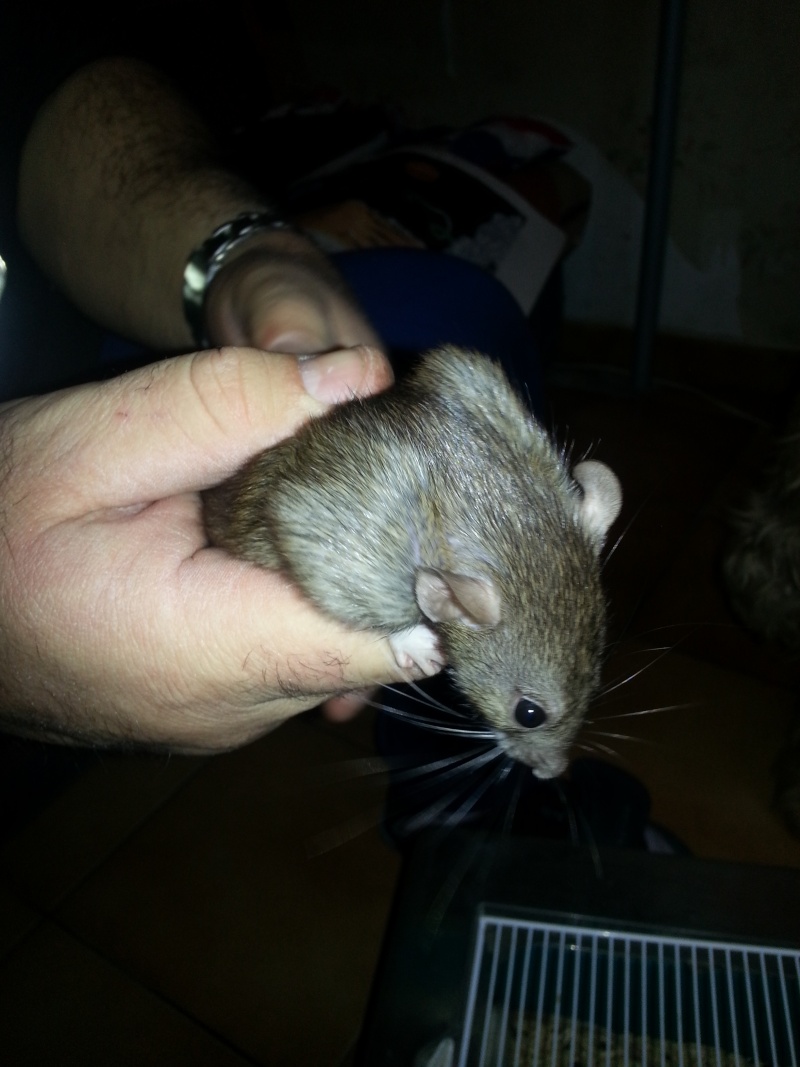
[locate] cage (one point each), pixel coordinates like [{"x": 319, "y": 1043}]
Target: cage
[{"x": 514, "y": 953}]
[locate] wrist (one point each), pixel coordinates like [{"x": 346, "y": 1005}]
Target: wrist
[{"x": 223, "y": 246}]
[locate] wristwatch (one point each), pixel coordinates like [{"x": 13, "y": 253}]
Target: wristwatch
[{"x": 207, "y": 260}]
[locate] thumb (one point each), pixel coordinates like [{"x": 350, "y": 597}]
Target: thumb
[{"x": 185, "y": 423}]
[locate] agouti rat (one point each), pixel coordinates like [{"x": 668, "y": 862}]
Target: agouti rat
[{"x": 440, "y": 514}]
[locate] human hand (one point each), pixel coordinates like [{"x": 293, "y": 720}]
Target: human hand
[
  {"x": 279, "y": 293},
  {"x": 118, "y": 623}
]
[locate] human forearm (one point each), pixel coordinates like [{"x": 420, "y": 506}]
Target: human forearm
[{"x": 118, "y": 184}]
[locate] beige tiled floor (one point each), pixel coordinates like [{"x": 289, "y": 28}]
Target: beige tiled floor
[
  {"x": 193, "y": 886},
  {"x": 64, "y": 1003},
  {"x": 180, "y": 912}
]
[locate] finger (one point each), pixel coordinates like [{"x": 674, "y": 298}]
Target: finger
[
  {"x": 302, "y": 325},
  {"x": 348, "y": 705},
  {"x": 231, "y": 607},
  {"x": 308, "y": 656},
  {"x": 180, "y": 425},
  {"x": 284, "y": 298},
  {"x": 295, "y": 324}
]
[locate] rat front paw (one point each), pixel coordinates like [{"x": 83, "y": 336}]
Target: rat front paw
[{"x": 417, "y": 647}]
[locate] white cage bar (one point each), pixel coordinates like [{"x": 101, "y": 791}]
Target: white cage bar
[{"x": 543, "y": 994}]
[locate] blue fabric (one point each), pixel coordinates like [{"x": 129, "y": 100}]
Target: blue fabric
[{"x": 418, "y": 299}]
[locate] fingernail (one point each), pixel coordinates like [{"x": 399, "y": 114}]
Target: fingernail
[{"x": 335, "y": 376}]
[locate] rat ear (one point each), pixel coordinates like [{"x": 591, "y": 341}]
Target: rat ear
[
  {"x": 602, "y": 498},
  {"x": 446, "y": 597}
]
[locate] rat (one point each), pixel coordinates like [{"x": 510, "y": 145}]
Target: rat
[{"x": 441, "y": 514}]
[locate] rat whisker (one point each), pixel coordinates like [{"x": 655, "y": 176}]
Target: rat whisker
[
  {"x": 594, "y": 747},
  {"x": 423, "y": 698},
  {"x": 562, "y": 795},
  {"x": 401, "y": 766},
  {"x": 498, "y": 776},
  {"x": 646, "y": 651},
  {"x": 513, "y": 800},
  {"x": 478, "y": 730},
  {"x": 610, "y": 688},
  {"x": 429, "y": 701},
  {"x": 615, "y": 647},
  {"x": 432, "y": 813},
  {"x": 449, "y": 765},
  {"x": 616, "y": 737},
  {"x": 614, "y": 547},
  {"x": 632, "y": 738},
  {"x": 693, "y": 628},
  {"x": 343, "y": 833},
  {"x": 348, "y": 770},
  {"x": 597, "y": 746},
  {"x": 651, "y": 711},
  {"x": 583, "y": 746},
  {"x": 439, "y": 728},
  {"x": 624, "y": 533},
  {"x": 594, "y": 851},
  {"x": 449, "y": 886}
]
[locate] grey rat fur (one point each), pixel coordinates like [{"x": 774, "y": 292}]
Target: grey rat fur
[{"x": 440, "y": 514}]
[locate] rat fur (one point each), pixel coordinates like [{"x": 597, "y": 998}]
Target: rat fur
[{"x": 440, "y": 514}]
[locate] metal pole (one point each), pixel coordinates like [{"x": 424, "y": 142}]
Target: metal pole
[{"x": 666, "y": 94}]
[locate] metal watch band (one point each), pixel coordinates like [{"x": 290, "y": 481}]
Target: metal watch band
[{"x": 206, "y": 261}]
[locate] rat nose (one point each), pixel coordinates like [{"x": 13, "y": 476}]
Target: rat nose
[{"x": 547, "y": 766}]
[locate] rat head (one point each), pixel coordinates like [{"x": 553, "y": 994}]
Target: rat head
[{"x": 525, "y": 645}]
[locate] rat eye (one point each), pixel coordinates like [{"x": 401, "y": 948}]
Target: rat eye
[{"x": 529, "y": 714}]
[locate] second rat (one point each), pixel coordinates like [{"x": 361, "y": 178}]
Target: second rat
[{"x": 441, "y": 514}]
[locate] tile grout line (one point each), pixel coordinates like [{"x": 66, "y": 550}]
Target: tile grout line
[
  {"x": 59, "y": 924},
  {"x": 49, "y": 911}
]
